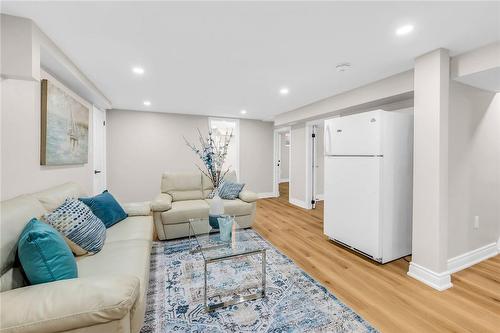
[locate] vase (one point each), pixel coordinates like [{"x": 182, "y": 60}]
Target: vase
[
  {"x": 225, "y": 225},
  {"x": 216, "y": 210}
]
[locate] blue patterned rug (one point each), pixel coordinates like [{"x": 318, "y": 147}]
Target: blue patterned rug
[{"x": 294, "y": 302}]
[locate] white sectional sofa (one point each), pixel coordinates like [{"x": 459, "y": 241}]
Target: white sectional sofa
[
  {"x": 109, "y": 294},
  {"x": 184, "y": 196}
]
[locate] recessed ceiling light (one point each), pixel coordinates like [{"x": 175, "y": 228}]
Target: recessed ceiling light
[
  {"x": 284, "y": 91},
  {"x": 138, "y": 70},
  {"x": 243, "y": 111},
  {"x": 405, "y": 29},
  {"x": 343, "y": 66},
  {"x": 146, "y": 103}
]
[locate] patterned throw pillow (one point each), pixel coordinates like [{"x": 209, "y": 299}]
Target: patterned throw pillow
[
  {"x": 230, "y": 190},
  {"x": 83, "y": 231}
]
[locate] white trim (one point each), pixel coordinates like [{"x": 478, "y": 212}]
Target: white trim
[
  {"x": 236, "y": 140},
  {"x": 264, "y": 195},
  {"x": 309, "y": 159},
  {"x": 498, "y": 245},
  {"x": 103, "y": 158},
  {"x": 473, "y": 257},
  {"x": 438, "y": 281},
  {"x": 320, "y": 197},
  {"x": 300, "y": 203},
  {"x": 284, "y": 180}
]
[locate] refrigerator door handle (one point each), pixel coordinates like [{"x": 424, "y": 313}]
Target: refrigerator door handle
[{"x": 328, "y": 139}]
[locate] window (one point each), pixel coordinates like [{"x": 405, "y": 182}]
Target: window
[{"x": 221, "y": 127}]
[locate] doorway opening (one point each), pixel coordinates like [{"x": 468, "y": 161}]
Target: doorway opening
[
  {"x": 315, "y": 164},
  {"x": 282, "y": 146}
]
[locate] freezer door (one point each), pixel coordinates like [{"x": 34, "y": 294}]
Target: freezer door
[
  {"x": 352, "y": 202},
  {"x": 357, "y": 134}
]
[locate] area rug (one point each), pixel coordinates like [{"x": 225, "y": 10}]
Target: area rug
[{"x": 294, "y": 301}]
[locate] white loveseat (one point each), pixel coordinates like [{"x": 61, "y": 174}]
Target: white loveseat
[
  {"x": 109, "y": 294},
  {"x": 184, "y": 196}
]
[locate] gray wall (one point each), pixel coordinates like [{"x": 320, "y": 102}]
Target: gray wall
[
  {"x": 142, "y": 145},
  {"x": 298, "y": 164},
  {"x": 256, "y": 155},
  {"x": 20, "y": 143},
  {"x": 474, "y": 168}
]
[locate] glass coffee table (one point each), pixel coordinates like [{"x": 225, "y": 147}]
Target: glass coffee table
[{"x": 206, "y": 240}]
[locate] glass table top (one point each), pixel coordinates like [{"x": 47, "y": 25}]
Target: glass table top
[{"x": 207, "y": 240}]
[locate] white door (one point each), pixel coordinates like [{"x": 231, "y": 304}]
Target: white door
[
  {"x": 357, "y": 134},
  {"x": 352, "y": 202},
  {"x": 99, "y": 122}
]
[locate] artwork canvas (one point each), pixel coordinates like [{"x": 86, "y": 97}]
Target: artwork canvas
[{"x": 65, "y": 127}]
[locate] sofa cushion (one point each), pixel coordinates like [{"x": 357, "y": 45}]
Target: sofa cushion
[
  {"x": 84, "y": 232},
  {"x": 14, "y": 214},
  {"x": 54, "y": 197},
  {"x": 44, "y": 254},
  {"x": 120, "y": 258},
  {"x": 133, "y": 227},
  {"x": 235, "y": 207},
  {"x": 162, "y": 202},
  {"x": 129, "y": 257},
  {"x": 182, "y": 211},
  {"x": 137, "y": 208},
  {"x": 69, "y": 304},
  {"x": 248, "y": 196},
  {"x": 182, "y": 186}
]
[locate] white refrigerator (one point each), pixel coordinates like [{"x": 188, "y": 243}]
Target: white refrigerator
[{"x": 368, "y": 183}]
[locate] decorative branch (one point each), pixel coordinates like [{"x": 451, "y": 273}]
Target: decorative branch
[{"x": 212, "y": 152}]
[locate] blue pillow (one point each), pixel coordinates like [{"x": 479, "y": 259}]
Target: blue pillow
[
  {"x": 84, "y": 232},
  {"x": 106, "y": 208},
  {"x": 230, "y": 190},
  {"x": 44, "y": 255}
]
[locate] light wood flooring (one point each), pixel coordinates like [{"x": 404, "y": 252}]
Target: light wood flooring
[{"x": 382, "y": 294}]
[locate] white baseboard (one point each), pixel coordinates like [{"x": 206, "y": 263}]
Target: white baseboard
[
  {"x": 472, "y": 257},
  {"x": 284, "y": 180},
  {"x": 264, "y": 195},
  {"x": 320, "y": 197},
  {"x": 300, "y": 203},
  {"x": 438, "y": 281}
]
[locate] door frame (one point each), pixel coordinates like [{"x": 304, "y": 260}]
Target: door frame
[
  {"x": 277, "y": 157},
  {"x": 309, "y": 160},
  {"x": 103, "y": 170}
]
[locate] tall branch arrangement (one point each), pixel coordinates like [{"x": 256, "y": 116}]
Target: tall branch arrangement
[{"x": 212, "y": 152}]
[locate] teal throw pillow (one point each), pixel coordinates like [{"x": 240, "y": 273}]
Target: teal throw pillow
[
  {"x": 106, "y": 208},
  {"x": 44, "y": 255}
]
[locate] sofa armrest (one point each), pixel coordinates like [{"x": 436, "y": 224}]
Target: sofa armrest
[
  {"x": 67, "y": 304},
  {"x": 162, "y": 202},
  {"x": 248, "y": 196},
  {"x": 137, "y": 208}
]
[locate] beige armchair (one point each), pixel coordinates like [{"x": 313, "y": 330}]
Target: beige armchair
[{"x": 184, "y": 196}]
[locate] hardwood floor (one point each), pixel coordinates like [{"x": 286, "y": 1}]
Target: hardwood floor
[{"x": 382, "y": 294}]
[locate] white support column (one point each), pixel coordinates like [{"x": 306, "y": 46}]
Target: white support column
[{"x": 430, "y": 174}]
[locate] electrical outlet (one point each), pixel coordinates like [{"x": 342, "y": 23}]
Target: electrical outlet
[{"x": 476, "y": 222}]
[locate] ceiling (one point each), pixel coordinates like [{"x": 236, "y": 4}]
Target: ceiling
[{"x": 217, "y": 58}]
